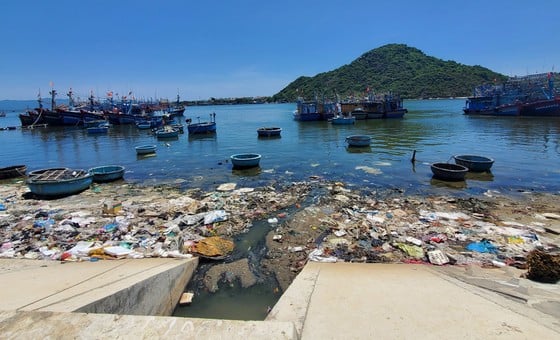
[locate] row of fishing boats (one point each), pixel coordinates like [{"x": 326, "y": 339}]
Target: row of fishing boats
[
  {"x": 532, "y": 95},
  {"x": 125, "y": 111},
  {"x": 347, "y": 112}
]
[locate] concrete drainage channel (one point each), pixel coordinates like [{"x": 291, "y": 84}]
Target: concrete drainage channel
[{"x": 126, "y": 298}]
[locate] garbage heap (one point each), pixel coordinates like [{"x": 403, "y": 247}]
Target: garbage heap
[
  {"x": 128, "y": 221},
  {"x": 493, "y": 231},
  {"x": 113, "y": 221}
]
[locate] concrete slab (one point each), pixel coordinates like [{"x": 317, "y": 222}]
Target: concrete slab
[
  {"x": 139, "y": 286},
  {"x": 51, "y": 325},
  {"x": 365, "y": 301}
]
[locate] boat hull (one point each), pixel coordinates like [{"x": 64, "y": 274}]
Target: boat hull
[
  {"x": 145, "y": 149},
  {"x": 48, "y": 183},
  {"x": 13, "y": 171},
  {"x": 474, "y": 163},
  {"x": 245, "y": 160},
  {"x": 107, "y": 173},
  {"x": 358, "y": 140},
  {"x": 269, "y": 131},
  {"x": 200, "y": 128},
  {"x": 343, "y": 120},
  {"x": 449, "y": 172}
]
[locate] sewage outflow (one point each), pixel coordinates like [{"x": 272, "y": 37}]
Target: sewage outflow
[{"x": 232, "y": 301}]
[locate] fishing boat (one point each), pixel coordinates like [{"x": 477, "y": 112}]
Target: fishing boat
[
  {"x": 474, "y": 163},
  {"x": 245, "y": 160},
  {"x": 358, "y": 140},
  {"x": 57, "y": 182},
  {"x": 532, "y": 95},
  {"x": 387, "y": 105},
  {"x": 343, "y": 120},
  {"x": 269, "y": 131},
  {"x": 145, "y": 149},
  {"x": 449, "y": 171},
  {"x": 13, "y": 171},
  {"x": 167, "y": 132},
  {"x": 107, "y": 173},
  {"x": 314, "y": 110},
  {"x": 203, "y": 127}
]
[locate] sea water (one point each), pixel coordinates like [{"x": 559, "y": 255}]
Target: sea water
[{"x": 526, "y": 150}]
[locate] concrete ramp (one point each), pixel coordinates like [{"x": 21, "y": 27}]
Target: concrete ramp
[
  {"x": 137, "y": 287},
  {"x": 397, "y": 301}
]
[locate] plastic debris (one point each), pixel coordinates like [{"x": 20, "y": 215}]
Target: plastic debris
[{"x": 483, "y": 246}]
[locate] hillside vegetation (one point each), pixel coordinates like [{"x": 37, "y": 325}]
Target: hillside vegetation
[{"x": 394, "y": 67}]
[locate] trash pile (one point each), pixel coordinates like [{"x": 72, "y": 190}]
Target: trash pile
[
  {"x": 111, "y": 221},
  {"x": 425, "y": 230},
  {"x": 125, "y": 221}
]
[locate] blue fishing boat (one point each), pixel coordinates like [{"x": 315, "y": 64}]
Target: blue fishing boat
[
  {"x": 358, "y": 140},
  {"x": 532, "y": 95},
  {"x": 145, "y": 149},
  {"x": 474, "y": 163},
  {"x": 107, "y": 173},
  {"x": 58, "y": 182},
  {"x": 245, "y": 160},
  {"x": 203, "y": 127},
  {"x": 314, "y": 110}
]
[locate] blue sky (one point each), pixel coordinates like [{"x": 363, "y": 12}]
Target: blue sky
[{"x": 240, "y": 48}]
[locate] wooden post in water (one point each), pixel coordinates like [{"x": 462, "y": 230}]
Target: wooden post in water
[{"x": 413, "y": 159}]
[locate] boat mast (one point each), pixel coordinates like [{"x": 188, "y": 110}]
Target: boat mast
[{"x": 53, "y": 95}]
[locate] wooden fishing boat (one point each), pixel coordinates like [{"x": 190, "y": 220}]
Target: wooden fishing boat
[
  {"x": 449, "y": 171},
  {"x": 145, "y": 149},
  {"x": 107, "y": 173},
  {"x": 13, "y": 171},
  {"x": 57, "y": 182},
  {"x": 269, "y": 131},
  {"x": 358, "y": 140},
  {"x": 474, "y": 163},
  {"x": 245, "y": 160}
]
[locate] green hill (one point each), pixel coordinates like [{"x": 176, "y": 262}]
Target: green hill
[{"x": 397, "y": 68}]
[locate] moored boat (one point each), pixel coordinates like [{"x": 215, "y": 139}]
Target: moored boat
[
  {"x": 245, "y": 160},
  {"x": 314, "y": 110},
  {"x": 449, "y": 171},
  {"x": 13, "y": 171},
  {"x": 343, "y": 120},
  {"x": 167, "y": 132},
  {"x": 358, "y": 140},
  {"x": 203, "y": 127},
  {"x": 269, "y": 131},
  {"x": 145, "y": 149},
  {"x": 107, "y": 173},
  {"x": 474, "y": 163},
  {"x": 57, "y": 182}
]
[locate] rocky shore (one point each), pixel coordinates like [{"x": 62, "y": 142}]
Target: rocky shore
[{"x": 309, "y": 221}]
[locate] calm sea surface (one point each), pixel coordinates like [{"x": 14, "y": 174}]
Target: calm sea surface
[{"x": 526, "y": 150}]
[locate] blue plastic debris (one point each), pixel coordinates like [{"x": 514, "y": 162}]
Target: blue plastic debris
[{"x": 483, "y": 246}]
